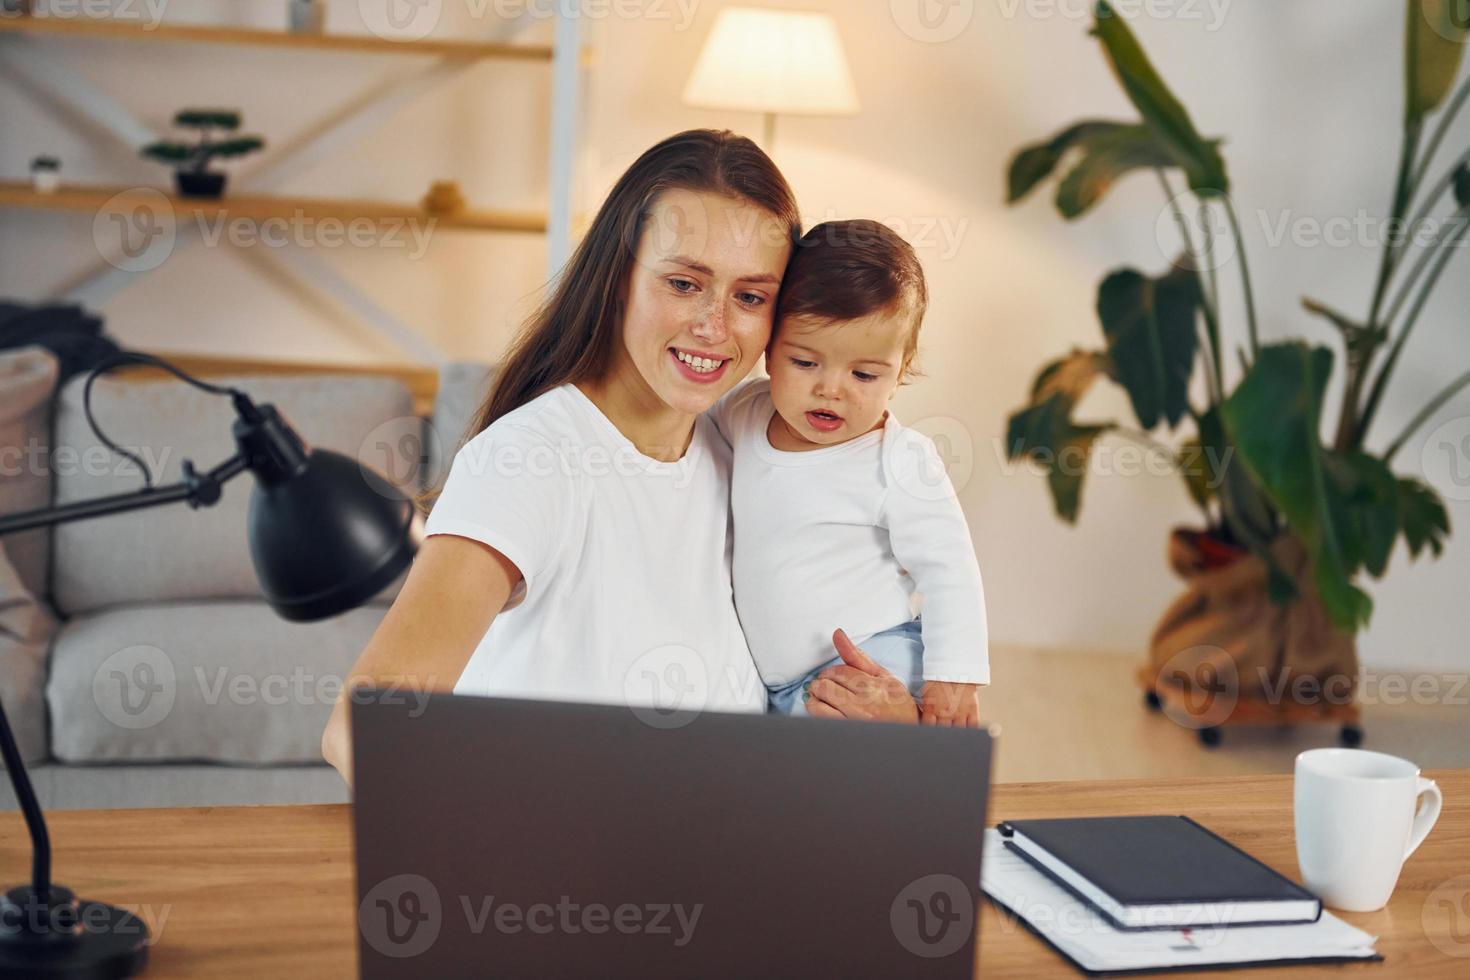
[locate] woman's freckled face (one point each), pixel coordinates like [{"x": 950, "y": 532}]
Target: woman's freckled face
[{"x": 703, "y": 286}]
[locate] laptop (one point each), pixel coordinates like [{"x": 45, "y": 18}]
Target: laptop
[{"x": 518, "y": 838}]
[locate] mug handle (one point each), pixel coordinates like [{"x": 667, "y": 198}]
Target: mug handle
[{"x": 1425, "y": 818}]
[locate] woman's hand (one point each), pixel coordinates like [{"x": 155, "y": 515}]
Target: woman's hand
[
  {"x": 860, "y": 688},
  {"x": 949, "y": 704}
]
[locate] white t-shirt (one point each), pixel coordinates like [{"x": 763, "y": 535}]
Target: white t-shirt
[
  {"x": 626, "y": 562},
  {"x": 844, "y": 536}
]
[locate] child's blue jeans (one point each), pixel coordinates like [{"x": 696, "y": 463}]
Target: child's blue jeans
[{"x": 900, "y": 649}]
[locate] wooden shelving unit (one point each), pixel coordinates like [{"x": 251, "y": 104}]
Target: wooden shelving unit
[
  {"x": 125, "y": 200},
  {"x": 29, "y": 54},
  {"x": 371, "y": 44}
]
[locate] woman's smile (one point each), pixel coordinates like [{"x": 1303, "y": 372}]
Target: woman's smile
[{"x": 701, "y": 368}]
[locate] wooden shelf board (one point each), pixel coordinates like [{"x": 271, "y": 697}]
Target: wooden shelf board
[
  {"x": 422, "y": 382},
  {"x": 369, "y": 43},
  {"x": 16, "y": 194}
]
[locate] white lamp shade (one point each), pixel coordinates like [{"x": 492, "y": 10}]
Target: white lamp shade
[{"x": 778, "y": 61}]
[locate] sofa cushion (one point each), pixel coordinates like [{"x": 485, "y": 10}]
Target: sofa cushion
[
  {"x": 175, "y": 552},
  {"x": 217, "y": 681},
  {"x": 26, "y": 627},
  {"x": 27, "y": 383}
]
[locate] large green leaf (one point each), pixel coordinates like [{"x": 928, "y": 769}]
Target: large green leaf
[
  {"x": 1044, "y": 430},
  {"x": 1369, "y": 493},
  {"x": 1434, "y": 45},
  {"x": 1246, "y": 511},
  {"x": 1034, "y": 163},
  {"x": 1163, "y": 113},
  {"x": 1150, "y": 325},
  {"x": 1274, "y": 419},
  {"x": 1108, "y": 158},
  {"x": 1423, "y": 517}
]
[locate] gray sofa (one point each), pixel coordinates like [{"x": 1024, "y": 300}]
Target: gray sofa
[{"x": 139, "y": 663}]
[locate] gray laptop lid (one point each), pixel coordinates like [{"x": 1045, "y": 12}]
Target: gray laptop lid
[{"x": 513, "y": 838}]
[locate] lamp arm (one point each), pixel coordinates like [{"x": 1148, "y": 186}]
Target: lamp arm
[{"x": 198, "y": 489}]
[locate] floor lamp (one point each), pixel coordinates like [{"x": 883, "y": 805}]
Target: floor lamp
[{"x": 772, "y": 62}]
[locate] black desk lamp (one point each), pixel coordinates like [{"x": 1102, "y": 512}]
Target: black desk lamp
[{"x": 325, "y": 535}]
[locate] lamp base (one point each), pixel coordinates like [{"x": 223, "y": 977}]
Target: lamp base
[{"x": 68, "y": 937}]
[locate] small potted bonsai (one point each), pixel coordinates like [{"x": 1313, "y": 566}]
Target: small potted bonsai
[
  {"x": 192, "y": 173},
  {"x": 45, "y": 174}
]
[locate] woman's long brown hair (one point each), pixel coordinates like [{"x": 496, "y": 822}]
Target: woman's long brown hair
[{"x": 571, "y": 337}]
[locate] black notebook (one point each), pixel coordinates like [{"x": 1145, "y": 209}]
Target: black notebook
[{"x": 1159, "y": 872}]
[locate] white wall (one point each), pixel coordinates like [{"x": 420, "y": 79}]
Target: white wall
[{"x": 1307, "y": 94}]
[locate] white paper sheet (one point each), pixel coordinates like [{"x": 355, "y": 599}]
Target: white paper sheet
[{"x": 1082, "y": 933}]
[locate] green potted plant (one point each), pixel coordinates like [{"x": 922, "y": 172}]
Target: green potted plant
[
  {"x": 191, "y": 161},
  {"x": 1293, "y": 516}
]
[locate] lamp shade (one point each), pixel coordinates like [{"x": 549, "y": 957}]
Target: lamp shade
[
  {"x": 326, "y": 534},
  {"x": 773, "y": 61},
  {"x": 329, "y": 538}
]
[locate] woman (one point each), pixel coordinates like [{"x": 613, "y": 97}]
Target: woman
[{"x": 588, "y": 517}]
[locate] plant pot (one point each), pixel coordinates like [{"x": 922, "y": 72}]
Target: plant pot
[
  {"x": 45, "y": 181},
  {"x": 194, "y": 184},
  {"x": 306, "y": 16},
  {"x": 17, "y": 8},
  {"x": 1226, "y": 629}
]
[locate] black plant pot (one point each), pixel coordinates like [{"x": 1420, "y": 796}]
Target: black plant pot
[{"x": 194, "y": 184}]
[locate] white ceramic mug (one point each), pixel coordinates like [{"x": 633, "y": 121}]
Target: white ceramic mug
[{"x": 1357, "y": 821}]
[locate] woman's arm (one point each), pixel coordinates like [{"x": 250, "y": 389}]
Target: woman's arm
[{"x": 453, "y": 593}]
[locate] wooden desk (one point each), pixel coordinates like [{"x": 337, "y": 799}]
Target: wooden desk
[{"x": 268, "y": 891}]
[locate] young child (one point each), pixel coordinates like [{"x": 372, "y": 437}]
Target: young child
[{"x": 840, "y": 513}]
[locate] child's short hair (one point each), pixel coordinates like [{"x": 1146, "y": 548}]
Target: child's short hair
[{"x": 846, "y": 270}]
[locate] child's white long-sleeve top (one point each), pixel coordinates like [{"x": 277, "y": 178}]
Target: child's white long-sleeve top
[{"x": 843, "y": 536}]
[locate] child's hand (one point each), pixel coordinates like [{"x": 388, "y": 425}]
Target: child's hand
[{"x": 948, "y": 704}]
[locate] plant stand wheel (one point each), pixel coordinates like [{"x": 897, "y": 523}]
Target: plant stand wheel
[{"x": 1210, "y": 721}]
